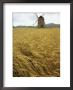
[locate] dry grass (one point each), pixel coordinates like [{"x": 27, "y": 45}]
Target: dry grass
[{"x": 36, "y": 52}]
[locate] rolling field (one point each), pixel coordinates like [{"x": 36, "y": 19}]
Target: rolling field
[{"x": 36, "y": 52}]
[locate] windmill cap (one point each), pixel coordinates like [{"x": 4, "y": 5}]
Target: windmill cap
[{"x": 41, "y": 17}]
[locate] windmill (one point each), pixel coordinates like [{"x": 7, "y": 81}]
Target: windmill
[{"x": 40, "y": 21}]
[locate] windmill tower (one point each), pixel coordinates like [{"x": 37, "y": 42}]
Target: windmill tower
[{"x": 40, "y": 21}]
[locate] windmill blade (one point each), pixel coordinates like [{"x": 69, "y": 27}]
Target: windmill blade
[
  {"x": 35, "y": 22},
  {"x": 36, "y": 15}
]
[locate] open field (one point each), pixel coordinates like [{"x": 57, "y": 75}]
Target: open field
[{"x": 36, "y": 52}]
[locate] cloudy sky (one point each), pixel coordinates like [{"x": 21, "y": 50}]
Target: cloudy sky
[{"x": 28, "y": 19}]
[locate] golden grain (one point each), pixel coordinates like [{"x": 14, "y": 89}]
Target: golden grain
[{"x": 36, "y": 52}]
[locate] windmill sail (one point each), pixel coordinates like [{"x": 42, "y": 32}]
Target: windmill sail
[
  {"x": 40, "y": 20},
  {"x": 35, "y": 22}
]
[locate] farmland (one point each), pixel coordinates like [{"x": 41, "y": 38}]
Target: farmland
[{"x": 36, "y": 52}]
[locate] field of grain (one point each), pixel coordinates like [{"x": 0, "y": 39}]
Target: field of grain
[{"x": 36, "y": 52}]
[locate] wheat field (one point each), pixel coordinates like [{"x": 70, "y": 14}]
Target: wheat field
[{"x": 36, "y": 52}]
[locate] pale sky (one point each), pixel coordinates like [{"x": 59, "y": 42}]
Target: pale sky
[{"x": 28, "y": 19}]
